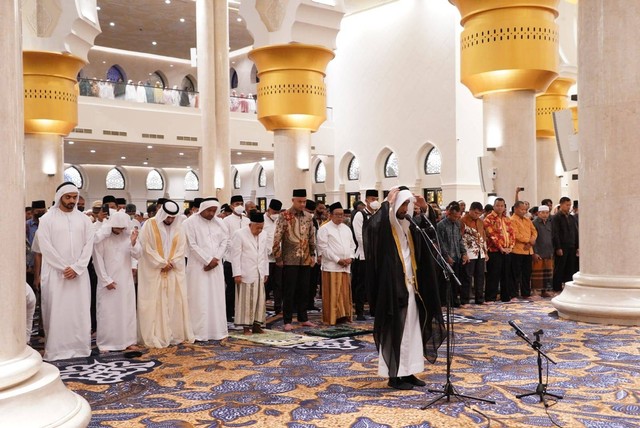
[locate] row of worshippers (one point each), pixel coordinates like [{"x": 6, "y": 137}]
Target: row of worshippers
[
  {"x": 141, "y": 92},
  {"x": 515, "y": 256}
]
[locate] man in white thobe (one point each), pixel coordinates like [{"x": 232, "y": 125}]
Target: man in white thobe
[
  {"x": 207, "y": 242},
  {"x": 116, "y": 297},
  {"x": 250, "y": 272},
  {"x": 234, "y": 221},
  {"x": 163, "y": 309},
  {"x": 65, "y": 240}
]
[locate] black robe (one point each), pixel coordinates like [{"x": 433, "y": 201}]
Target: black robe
[{"x": 388, "y": 290}]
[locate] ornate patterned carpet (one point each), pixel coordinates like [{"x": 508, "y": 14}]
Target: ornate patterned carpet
[{"x": 334, "y": 382}]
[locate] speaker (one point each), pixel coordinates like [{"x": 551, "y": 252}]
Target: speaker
[
  {"x": 566, "y": 139},
  {"x": 487, "y": 173}
]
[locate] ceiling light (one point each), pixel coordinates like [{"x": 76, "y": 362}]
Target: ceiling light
[
  {"x": 113, "y": 24},
  {"x": 263, "y": 158},
  {"x": 98, "y": 8},
  {"x": 92, "y": 151},
  {"x": 123, "y": 157},
  {"x": 154, "y": 43},
  {"x": 181, "y": 154},
  {"x": 170, "y": 65},
  {"x": 238, "y": 153},
  {"x": 239, "y": 19},
  {"x": 145, "y": 163},
  {"x": 188, "y": 167},
  {"x": 181, "y": 19},
  {"x": 149, "y": 147},
  {"x": 167, "y": 1},
  {"x": 104, "y": 62},
  {"x": 70, "y": 142}
]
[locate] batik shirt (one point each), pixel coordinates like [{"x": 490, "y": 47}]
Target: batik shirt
[
  {"x": 294, "y": 240},
  {"x": 499, "y": 232}
]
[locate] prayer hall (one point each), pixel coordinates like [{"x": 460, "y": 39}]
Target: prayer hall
[{"x": 291, "y": 199}]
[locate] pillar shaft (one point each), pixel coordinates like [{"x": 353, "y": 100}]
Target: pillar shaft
[
  {"x": 607, "y": 288},
  {"x": 291, "y": 157},
  {"x": 44, "y": 165},
  {"x": 509, "y": 127},
  {"x": 213, "y": 86},
  {"x": 547, "y": 175}
]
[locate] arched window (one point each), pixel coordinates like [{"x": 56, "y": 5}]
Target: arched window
[
  {"x": 154, "y": 180},
  {"x": 236, "y": 180},
  {"x": 233, "y": 78},
  {"x": 353, "y": 170},
  {"x": 262, "y": 178},
  {"x": 321, "y": 173},
  {"x": 254, "y": 75},
  {"x": 73, "y": 175},
  {"x": 391, "y": 166},
  {"x": 191, "y": 181},
  {"x": 115, "y": 179},
  {"x": 433, "y": 162},
  {"x": 116, "y": 74},
  {"x": 157, "y": 77},
  {"x": 188, "y": 84}
]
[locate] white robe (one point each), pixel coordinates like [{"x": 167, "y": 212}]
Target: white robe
[
  {"x": 65, "y": 240},
  {"x": 206, "y": 240},
  {"x": 163, "y": 312},
  {"x": 335, "y": 242},
  {"x": 115, "y": 309},
  {"x": 31, "y": 309},
  {"x": 233, "y": 223}
]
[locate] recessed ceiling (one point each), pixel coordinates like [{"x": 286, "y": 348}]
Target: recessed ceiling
[
  {"x": 248, "y": 156},
  {"x": 139, "y": 23},
  {"x": 111, "y": 153}
]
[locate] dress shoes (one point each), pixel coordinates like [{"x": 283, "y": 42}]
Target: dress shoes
[
  {"x": 413, "y": 380},
  {"x": 399, "y": 383}
]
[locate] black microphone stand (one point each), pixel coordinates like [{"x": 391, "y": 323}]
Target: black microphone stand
[
  {"x": 541, "y": 388},
  {"x": 447, "y": 390}
]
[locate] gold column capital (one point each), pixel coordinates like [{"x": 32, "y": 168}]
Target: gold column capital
[
  {"x": 508, "y": 45},
  {"x": 291, "y": 91},
  {"x": 555, "y": 98},
  {"x": 50, "y": 92}
]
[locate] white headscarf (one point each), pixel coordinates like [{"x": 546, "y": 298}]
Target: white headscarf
[
  {"x": 120, "y": 219},
  {"x": 401, "y": 225},
  {"x": 162, "y": 214},
  {"x": 208, "y": 204},
  {"x": 67, "y": 188}
]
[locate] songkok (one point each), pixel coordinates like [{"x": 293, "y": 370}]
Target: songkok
[
  {"x": 300, "y": 193},
  {"x": 256, "y": 217},
  {"x": 356, "y": 204},
  {"x": 109, "y": 198},
  {"x": 335, "y": 206},
  {"x": 170, "y": 207},
  {"x": 371, "y": 192},
  {"x": 121, "y": 201},
  {"x": 543, "y": 208},
  {"x": 119, "y": 219},
  {"x": 198, "y": 201},
  {"x": 130, "y": 209},
  {"x": 310, "y": 205},
  {"x": 403, "y": 188},
  {"x": 162, "y": 201},
  {"x": 96, "y": 204},
  {"x": 275, "y": 204},
  {"x": 38, "y": 204},
  {"x": 226, "y": 208},
  {"x": 208, "y": 203},
  {"x": 236, "y": 198}
]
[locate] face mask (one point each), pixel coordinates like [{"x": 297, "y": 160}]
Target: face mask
[
  {"x": 238, "y": 210},
  {"x": 275, "y": 217},
  {"x": 375, "y": 205}
]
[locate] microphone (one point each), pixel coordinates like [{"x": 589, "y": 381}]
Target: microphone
[
  {"x": 517, "y": 328},
  {"x": 408, "y": 217}
]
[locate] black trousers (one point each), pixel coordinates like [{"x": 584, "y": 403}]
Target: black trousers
[
  {"x": 472, "y": 271},
  {"x": 499, "y": 277},
  {"x": 295, "y": 291},
  {"x": 455, "y": 288},
  {"x": 229, "y": 291},
  {"x": 564, "y": 267},
  {"x": 93, "y": 280},
  {"x": 315, "y": 279},
  {"x": 274, "y": 285},
  {"x": 522, "y": 266},
  {"x": 358, "y": 285}
]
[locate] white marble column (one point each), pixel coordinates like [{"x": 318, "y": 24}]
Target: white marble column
[
  {"x": 44, "y": 166},
  {"x": 213, "y": 85},
  {"x": 547, "y": 159},
  {"x": 31, "y": 393},
  {"x": 509, "y": 127},
  {"x": 291, "y": 158},
  {"x": 607, "y": 288}
]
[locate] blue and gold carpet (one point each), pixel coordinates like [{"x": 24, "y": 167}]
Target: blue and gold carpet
[{"x": 334, "y": 382}]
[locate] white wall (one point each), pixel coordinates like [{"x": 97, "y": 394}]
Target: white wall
[{"x": 249, "y": 188}]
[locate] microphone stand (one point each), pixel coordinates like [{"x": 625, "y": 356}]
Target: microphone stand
[
  {"x": 541, "y": 388},
  {"x": 447, "y": 390}
]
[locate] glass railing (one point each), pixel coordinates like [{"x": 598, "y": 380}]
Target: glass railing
[{"x": 137, "y": 93}]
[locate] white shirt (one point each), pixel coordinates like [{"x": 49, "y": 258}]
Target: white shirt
[{"x": 335, "y": 242}]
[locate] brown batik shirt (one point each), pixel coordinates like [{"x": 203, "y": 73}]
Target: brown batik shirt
[{"x": 294, "y": 239}]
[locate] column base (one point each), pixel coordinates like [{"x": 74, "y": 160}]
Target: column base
[
  {"x": 20, "y": 368},
  {"x": 600, "y": 300},
  {"x": 43, "y": 401}
]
